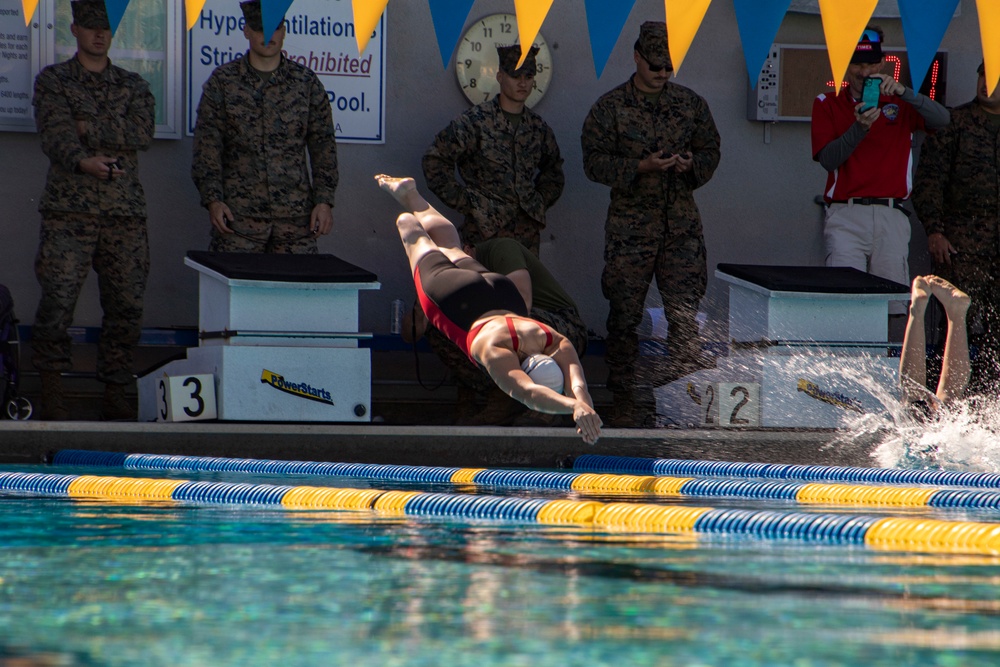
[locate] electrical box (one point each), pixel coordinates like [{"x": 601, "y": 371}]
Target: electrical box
[{"x": 794, "y": 74}]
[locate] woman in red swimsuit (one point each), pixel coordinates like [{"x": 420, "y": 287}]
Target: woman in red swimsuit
[{"x": 484, "y": 314}]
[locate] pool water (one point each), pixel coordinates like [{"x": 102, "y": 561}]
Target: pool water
[{"x": 94, "y": 583}]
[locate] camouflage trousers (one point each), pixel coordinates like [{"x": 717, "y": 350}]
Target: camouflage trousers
[
  {"x": 118, "y": 250},
  {"x": 678, "y": 262},
  {"x": 566, "y": 321},
  {"x": 522, "y": 228},
  {"x": 277, "y": 235},
  {"x": 979, "y": 277}
]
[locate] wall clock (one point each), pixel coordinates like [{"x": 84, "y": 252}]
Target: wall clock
[{"x": 476, "y": 61}]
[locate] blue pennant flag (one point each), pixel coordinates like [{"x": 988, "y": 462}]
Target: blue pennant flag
[
  {"x": 449, "y": 19},
  {"x": 116, "y": 10},
  {"x": 605, "y": 21},
  {"x": 758, "y": 22},
  {"x": 271, "y": 13},
  {"x": 924, "y": 23}
]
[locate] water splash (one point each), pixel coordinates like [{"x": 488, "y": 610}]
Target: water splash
[{"x": 962, "y": 436}]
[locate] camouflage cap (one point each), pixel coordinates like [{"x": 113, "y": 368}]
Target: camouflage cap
[
  {"x": 252, "y": 15},
  {"x": 90, "y": 14},
  {"x": 652, "y": 44},
  {"x": 509, "y": 55}
]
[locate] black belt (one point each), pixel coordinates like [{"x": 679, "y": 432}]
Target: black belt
[
  {"x": 868, "y": 201},
  {"x": 875, "y": 201}
]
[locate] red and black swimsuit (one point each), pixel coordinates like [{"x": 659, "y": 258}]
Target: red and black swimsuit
[{"x": 456, "y": 294}]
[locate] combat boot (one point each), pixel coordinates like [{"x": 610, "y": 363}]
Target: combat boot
[
  {"x": 116, "y": 405},
  {"x": 53, "y": 397}
]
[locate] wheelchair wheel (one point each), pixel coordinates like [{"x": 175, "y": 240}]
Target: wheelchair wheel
[{"x": 19, "y": 408}]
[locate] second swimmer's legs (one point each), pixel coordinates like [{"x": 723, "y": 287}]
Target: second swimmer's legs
[
  {"x": 913, "y": 360},
  {"x": 955, "y": 366}
]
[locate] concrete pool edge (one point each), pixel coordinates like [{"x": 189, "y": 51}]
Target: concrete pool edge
[{"x": 30, "y": 442}]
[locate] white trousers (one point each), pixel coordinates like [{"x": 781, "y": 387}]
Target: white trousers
[{"x": 873, "y": 239}]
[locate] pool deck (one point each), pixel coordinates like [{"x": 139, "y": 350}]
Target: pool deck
[
  {"x": 462, "y": 446},
  {"x": 414, "y": 430}
]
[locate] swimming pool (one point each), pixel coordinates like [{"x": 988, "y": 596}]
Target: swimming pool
[{"x": 106, "y": 583}]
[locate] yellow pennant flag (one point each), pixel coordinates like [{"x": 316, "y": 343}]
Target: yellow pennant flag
[
  {"x": 843, "y": 23},
  {"x": 530, "y": 16},
  {"x": 28, "y": 7},
  {"x": 684, "y": 17},
  {"x": 192, "y": 9},
  {"x": 989, "y": 30},
  {"x": 366, "y": 16}
]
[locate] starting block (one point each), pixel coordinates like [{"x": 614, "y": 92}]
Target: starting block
[
  {"x": 808, "y": 346},
  {"x": 278, "y": 336}
]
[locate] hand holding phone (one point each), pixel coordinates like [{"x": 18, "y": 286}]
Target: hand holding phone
[{"x": 870, "y": 93}]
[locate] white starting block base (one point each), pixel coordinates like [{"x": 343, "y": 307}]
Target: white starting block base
[
  {"x": 275, "y": 384},
  {"x": 802, "y": 390},
  {"x": 808, "y": 304}
]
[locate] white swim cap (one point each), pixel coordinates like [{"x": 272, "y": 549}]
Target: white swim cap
[{"x": 543, "y": 370}]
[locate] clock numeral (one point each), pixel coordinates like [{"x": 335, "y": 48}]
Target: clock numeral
[
  {"x": 477, "y": 46},
  {"x": 472, "y": 83},
  {"x": 487, "y": 32},
  {"x": 505, "y": 28},
  {"x": 468, "y": 62}
]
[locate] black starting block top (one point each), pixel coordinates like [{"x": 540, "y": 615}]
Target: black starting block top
[
  {"x": 282, "y": 268},
  {"x": 818, "y": 279}
]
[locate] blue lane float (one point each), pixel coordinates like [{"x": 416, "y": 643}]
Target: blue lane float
[
  {"x": 813, "y": 491},
  {"x": 812, "y": 473},
  {"x": 891, "y": 534}
]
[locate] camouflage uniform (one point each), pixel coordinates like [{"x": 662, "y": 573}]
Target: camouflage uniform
[
  {"x": 510, "y": 175},
  {"x": 957, "y": 193},
  {"x": 653, "y": 227},
  {"x": 250, "y": 146},
  {"x": 87, "y": 221}
]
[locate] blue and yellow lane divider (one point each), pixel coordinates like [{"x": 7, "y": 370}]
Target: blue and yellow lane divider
[
  {"x": 784, "y": 471},
  {"x": 891, "y": 534},
  {"x": 812, "y": 493}
]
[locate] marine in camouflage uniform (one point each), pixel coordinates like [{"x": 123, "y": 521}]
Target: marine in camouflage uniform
[
  {"x": 92, "y": 119},
  {"x": 507, "y": 157},
  {"x": 550, "y": 304},
  {"x": 957, "y": 196},
  {"x": 654, "y": 142},
  {"x": 250, "y": 141}
]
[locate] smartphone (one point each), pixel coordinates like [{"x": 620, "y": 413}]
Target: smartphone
[{"x": 870, "y": 94}]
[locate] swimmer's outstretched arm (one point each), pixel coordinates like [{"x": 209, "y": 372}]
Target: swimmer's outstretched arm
[{"x": 503, "y": 367}]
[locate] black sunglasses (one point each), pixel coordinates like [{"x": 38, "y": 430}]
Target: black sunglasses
[{"x": 655, "y": 69}]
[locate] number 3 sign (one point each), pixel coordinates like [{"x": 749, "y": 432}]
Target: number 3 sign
[{"x": 185, "y": 398}]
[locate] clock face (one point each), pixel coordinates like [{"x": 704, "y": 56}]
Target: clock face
[{"x": 476, "y": 62}]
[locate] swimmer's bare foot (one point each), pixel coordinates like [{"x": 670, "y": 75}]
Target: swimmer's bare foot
[
  {"x": 955, "y": 301},
  {"x": 920, "y": 292},
  {"x": 399, "y": 188}
]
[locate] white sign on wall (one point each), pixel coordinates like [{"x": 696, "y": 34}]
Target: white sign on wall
[
  {"x": 320, "y": 35},
  {"x": 16, "y": 67}
]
